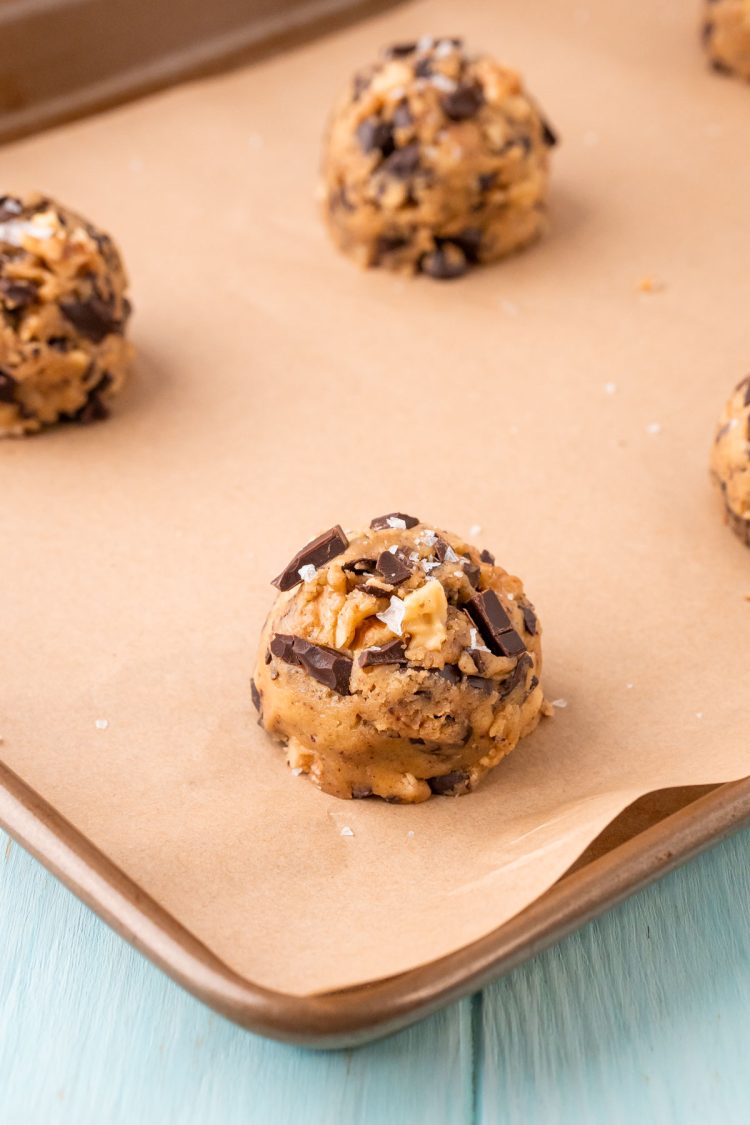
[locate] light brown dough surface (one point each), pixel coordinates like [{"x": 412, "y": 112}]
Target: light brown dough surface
[
  {"x": 63, "y": 311},
  {"x": 726, "y": 34},
  {"x": 730, "y": 459},
  {"x": 435, "y": 722},
  {"x": 435, "y": 160}
]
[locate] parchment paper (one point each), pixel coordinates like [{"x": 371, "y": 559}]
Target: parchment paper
[{"x": 280, "y": 391}]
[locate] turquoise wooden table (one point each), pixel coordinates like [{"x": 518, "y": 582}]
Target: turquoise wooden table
[{"x": 643, "y": 1016}]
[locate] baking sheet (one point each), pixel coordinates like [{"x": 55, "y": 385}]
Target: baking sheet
[{"x": 273, "y": 381}]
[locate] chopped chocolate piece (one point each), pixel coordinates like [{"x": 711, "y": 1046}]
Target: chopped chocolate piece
[
  {"x": 402, "y": 117},
  {"x": 486, "y": 181},
  {"x": 392, "y": 653},
  {"x": 517, "y": 676},
  {"x": 10, "y": 208},
  {"x": 7, "y": 387},
  {"x": 59, "y": 343},
  {"x": 549, "y": 135},
  {"x": 529, "y": 619},
  {"x": 444, "y": 263},
  {"x": 394, "y": 567},
  {"x": 380, "y": 523},
  {"x": 469, "y": 241},
  {"x": 510, "y": 644},
  {"x": 359, "y": 566},
  {"x": 423, "y": 67},
  {"x": 388, "y": 244},
  {"x": 487, "y": 613},
  {"x": 480, "y": 683},
  {"x": 255, "y": 696},
  {"x": 463, "y": 102},
  {"x": 373, "y": 591},
  {"x": 94, "y": 318},
  {"x": 720, "y": 67},
  {"x": 268, "y": 656},
  {"x": 534, "y": 683},
  {"x": 472, "y": 571},
  {"x": 374, "y": 134},
  {"x": 282, "y": 647},
  {"x": 449, "y": 672},
  {"x": 403, "y": 162},
  {"x": 360, "y": 792},
  {"x": 315, "y": 553},
  {"x": 398, "y": 50},
  {"x": 329, "y": 667},
  {"x": 487, "y": 557},
  {"x": 17, "y": 294},
  {"x": 444, "y": 551},
  {"x": 449, "y": 783}
]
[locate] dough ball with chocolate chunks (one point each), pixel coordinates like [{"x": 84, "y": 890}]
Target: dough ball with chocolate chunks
[
  {"x": 730, "y": 459},
  {"x": 435, "y": 160},
  {"x": 726, "y": 36},
  {"x": 398, "y": 661},
  {"x": 63, "y": 311}
]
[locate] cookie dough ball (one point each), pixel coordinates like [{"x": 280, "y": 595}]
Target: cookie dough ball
[
  {"x": 398, "y": 662},
  {"x": 435, "y": 160},
  {"x": 63, "y": 311},
  {"x": 730, "y": 459},
  {"x": 726, "y": 34}
]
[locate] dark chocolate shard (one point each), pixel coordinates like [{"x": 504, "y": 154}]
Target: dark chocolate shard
[
  {"x": 463, "y": 102},
  {"x": 469, "y": 241},
  {"x": 449, "y": 784},
  {"x": 94, "y": 408},
  {"x": 359, "y": 566},
  {"x": 317, "y": 552},
  {"x": 17, "y": 295},
  {"x": 444, "y": 263},
  {"x": 402, "y": 117},
  {"x": 486, "y": 181},
  {"x": 94, "y": 318},
  {"x": 403, "y": 162},
  {"x": 472, "y": 571},
  {"x": 529, "y": 619},
  {"x": 487, "y": 557},
  {"x": 392, "y": 653},
  {"x": 549, "y": 135},
  {"x": 10, "y": 208},
  {"x": 494, "y": 625},
  {"x": 255, "y": 696},
  {"x": 441, "y": 549},
  {"x": 480, "y": 683},
  {"x": 326, "y": 665},
  {"x": 373, "y": 590},
  {"x": 399, "y": 50},
  {"x": 449, "y": 672},
  {"x": 517, "y": 676},
  {"x": 389, "y": 244},
  {"x": 394, "y": 567},
  {"x": 7, "y": 387},
  {"x": 423, "y": 67},
  {"x": 375, "y": 135},
  {"x": 380, "y": 523}
]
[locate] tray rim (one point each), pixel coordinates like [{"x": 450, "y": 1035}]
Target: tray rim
[{"x": 351, "y": 1017}]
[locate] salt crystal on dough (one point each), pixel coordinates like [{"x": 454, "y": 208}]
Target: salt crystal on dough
[
  {"x": 307, "y": 572},
  {"x": 346, "y": 831},
  {"x": 393, "y": 617}
]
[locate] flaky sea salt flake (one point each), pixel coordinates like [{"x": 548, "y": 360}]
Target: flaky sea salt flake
[
  {"x": 101, "y": 724},
  {"x": 396, "y": 523},
  {"x": 307, "y": 572},
  {"x": 393, "y": 617},
  {"x": 561, "y": 704},
  {"x": 346, "y": 831}
]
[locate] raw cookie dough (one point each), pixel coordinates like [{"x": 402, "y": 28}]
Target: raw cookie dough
[
  {"x": 726, "y": 34},
  {"x": 730, "y": 459},
  {"x": 435, "y": 160},
  {"x": 398, "y": 662},
  {"x": 63, "y": 311}
]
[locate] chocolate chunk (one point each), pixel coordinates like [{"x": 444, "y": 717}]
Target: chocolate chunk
[
  {"x": 423, "y": 67},
  {"x": 479, "y": 683},
  {"x": 360, "y": 792},
  {"x": 315, "y": 553},
  {"x": 463, "y": 102},
  {"x": 548, "y": 134},
  {"x": 441, "y": 549},
  {"x": 720, "y": 67},
  {"x": 380, "y": 523},
  {"x": 402, "y": 117},
  {"x": 494, "y": 625},
  {"x": 486, "y": 181},
  {"x": 389, "y": 244},
  {"x": 444, "y": 263},
  {"x": 17, "y": 295},
  {"x": 10, "y": 208},
  {"x": 487, "y": 557},
  {"x": 359, "y": 566},
  {"x": 529, "y": 619},
  {"x": 472, "y": 571},
  {"x": 374, "y": 134},
  {"x": 449, "y": 672},
  {"x": 373, "y": 591},
  {"x": 394, "y": 567},
  {"x": 517, "y": 676},
  {"x": 392, "y": 653},
  {"x": 469, "y": 241},
  {"x": 449, "y": 783},
  {"x": 402, "y": 163},
  {"x": 94, "y": 408},
  {"x": 94, "y": 318},
  {"x": 59, "y": 343},
  {"x": 255, "y": 696},
  {"x": 398, "y": 50},
  {"x": 326, "y": 665},
  {"x": 7, "y": 387}
]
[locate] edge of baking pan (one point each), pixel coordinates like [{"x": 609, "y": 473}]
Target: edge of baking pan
[
  {"x": 67, "y": 59},
  {"x": 354, "y": 1016}
]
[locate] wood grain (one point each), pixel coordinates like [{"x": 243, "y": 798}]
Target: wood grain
[{"x": 640, "y": 1017}]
